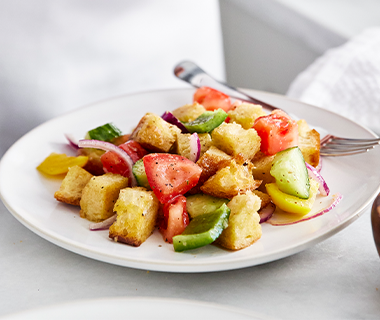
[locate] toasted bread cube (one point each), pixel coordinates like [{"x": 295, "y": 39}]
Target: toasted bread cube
[
  {"x": 309, "y": 143},
  {"x": 245, "y": 114},
  {"x": 264, "y": 197},
  {"x": 99, "y": 196},
  {"x": 244, "y": 223},
  {"x": 155, "y": 134},
  {"x": 233, "y": 139},
  {"x": 72, "y": 185},
  {"x": 137, "y": 211},
  {"x": 183, "y": 143},
  {"x": 94, "y": 165},
  {"x": 189, "y": 112},
  {"x": 210, "y": 162},
  {"x": 229, "y": 181},
  {"x": 261, "y": 169}
]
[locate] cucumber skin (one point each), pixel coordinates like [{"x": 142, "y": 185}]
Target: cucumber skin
[
  {"x": 106, "y": 132},
  {"x": 202, "y": 230},
  {"x": 138, "y": 171},
  {"x": 287, "y": 163}
]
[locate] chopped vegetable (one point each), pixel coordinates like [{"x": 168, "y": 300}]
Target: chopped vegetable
[
  {"x": 290, "y": 203},
  {"x": 106, "y": 132},
  {"x": 57, "y": 163},
  {"x": 289, "y": 170},
  {"x": 170, "y": 175},
  {"x": 212, "y": 99},
  {"x": 206, "y": 122},
  {"x": 176, "y": 218},
  {"x": 202, "y": 230},
  {"x": 277, "y": 132}
]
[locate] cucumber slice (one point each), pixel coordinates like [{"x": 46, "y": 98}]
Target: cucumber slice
[
  {"x": 138, "y": 170},
  {"x": 202, "y": 230},
  {"x": 201, "y": 203},
  {"x": 106, "y": 132},
  {"x": 206, "y": 122},
  {"x": 289, "y": 170}
]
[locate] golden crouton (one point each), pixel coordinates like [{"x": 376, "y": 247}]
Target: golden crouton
[
  {"x": 189, "y": 112},
  {"x": 137, "y": 211},
  {"x": 229, "y": 181},
  {"x": 155, "y": 134},
  {"x": 233, "y": 139},
  {"x": 264, "y": 197},
  {"x": 210, "y": 162},
  {"x": 183, "y": 143},
  {"x": 309, "y": 143},
  {"x": 245, "y": 114},
  {"x": 244, "y": 223},
  {"x": 72, "y": 186},
  {"x": 99, "y": 196},
  {"x": 261, "y": 169}
]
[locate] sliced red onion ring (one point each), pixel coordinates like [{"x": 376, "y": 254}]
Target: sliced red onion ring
[
  {"x": 105, "y": 224},
  {"x": 72, "y": 141},
  {"x": 314, "y": 174},
  {"x": 266, "y": 212},
  {"x": 195, "y": 147},
  {"x": 107, "y": 146},
  {"x": 319, "y": 166},
  {"x": 296, "y": 219},
  {"x": 169, "y": 117}
]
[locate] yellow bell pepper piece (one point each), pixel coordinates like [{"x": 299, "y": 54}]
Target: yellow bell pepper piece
[
  {"x": 57, "y": 163},
  {"x": 290, "y": 203}
]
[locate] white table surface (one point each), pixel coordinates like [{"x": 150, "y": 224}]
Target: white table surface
[{"x": 336, "y": 279}]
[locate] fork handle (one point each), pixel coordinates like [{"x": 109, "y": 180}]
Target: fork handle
[{"x": 190, "y": 72}]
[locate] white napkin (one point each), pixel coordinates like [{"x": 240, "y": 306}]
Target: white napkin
[{"x": 345, "y": 80}]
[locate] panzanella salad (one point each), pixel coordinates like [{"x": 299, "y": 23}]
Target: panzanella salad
[{"x": 207, "y": 172}]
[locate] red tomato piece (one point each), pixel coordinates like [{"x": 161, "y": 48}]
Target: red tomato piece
[
  {"x": 277, "y": 132},
  {"x": 114, "y": 164},
  {"x": 170, "y": 175},
  {"x": 212, "y": 99},
  {"x": 134, "y": 149},
  {"x": 176, "y": 218}
]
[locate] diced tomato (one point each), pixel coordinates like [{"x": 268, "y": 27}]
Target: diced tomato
[
  {"x": 113, "y": 163},
  {"x": 134, "y": 149},
  {"x": 212, "y": 99},
  {"x": 170, "y": 175},
  {"x": 176, "y": 218},
  {"x": 277, "y": 132}
]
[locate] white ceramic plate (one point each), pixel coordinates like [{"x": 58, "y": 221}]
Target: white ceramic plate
[
  {"x": 136, "y": 309},
  {"x": 29, "y": 196}
]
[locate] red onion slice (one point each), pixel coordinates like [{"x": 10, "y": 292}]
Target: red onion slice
[
  {"x": 72, "y": 141},
  {"x": 314, "y": 174},
  {"x": 107, "y": 146},
  {"x": 319, "y": 166},
  {"x": 103, "y": 224},
  {"x": 169, "y": 117},
  {"x": 286, "y": 218},
  {"x": 195, "y": 147},
  {"x": 266, "y": 212}
]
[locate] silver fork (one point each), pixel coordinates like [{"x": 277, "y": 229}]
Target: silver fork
[{"x": 330, "y": 145}]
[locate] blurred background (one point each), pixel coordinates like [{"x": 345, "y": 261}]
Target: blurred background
[{"x": 56, "y": 56}]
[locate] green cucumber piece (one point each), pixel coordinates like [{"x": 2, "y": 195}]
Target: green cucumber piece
[
  {"x": 202, "y": 230},
  {"x": 206, "y": 122},
  {"x": 289, "y": 170},
  {"x": 201, "y": 203},
  {"x": 138, "y": 170},
  {"x": 106, "y": 132}
]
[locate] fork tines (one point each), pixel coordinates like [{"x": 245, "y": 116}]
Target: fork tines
[{"x": 337, "y": 146}]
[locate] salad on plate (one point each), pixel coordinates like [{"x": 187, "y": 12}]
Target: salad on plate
[{"x": 211, "y": 171}]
